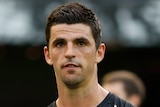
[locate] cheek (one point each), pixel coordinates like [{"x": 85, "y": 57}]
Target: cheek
[
  {"x": 54, "y": 56},
  {"x": 89, "y": 57}
]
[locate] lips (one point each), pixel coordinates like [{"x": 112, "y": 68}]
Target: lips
[
  {"x": 70, "y": 64},
  {"x": 71, "y": 67}
]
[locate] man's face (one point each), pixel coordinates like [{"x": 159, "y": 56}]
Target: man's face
[{"x": 73, "y": 54}]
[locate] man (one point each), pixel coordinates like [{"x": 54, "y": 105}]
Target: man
[
  {"x": 74, "y": 49},
  {"x": 126, "y": 85}
]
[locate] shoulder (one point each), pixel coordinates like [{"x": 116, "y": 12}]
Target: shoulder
[
  {"x": 120, "y": 102},
  {"x": 112, "y": 100},
  {"x": 53, "y": 104}
]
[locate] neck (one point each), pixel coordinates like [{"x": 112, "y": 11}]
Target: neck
[{"x": 89, "y": 96}]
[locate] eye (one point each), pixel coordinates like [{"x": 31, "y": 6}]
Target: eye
[
  {"x": 81, "y": 43},
  {"x": 59, "y": 44}
]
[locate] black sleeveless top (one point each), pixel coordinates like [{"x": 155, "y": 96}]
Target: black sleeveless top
[{"x": 111, "y": 100}]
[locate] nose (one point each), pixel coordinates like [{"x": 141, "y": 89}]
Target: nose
[{"x": 70, "y": 51}]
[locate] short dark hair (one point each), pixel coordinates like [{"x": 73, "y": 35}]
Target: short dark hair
[{"x": 72, "y": 13}]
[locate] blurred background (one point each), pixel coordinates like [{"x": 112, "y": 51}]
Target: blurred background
[{"x": 131, "y": 31}]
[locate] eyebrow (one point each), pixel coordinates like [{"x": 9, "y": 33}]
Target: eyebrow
[
  {"x": 82, "y": 39},
  {"x": 57, "y": 40},
  {"x": 76, "y": 39}
]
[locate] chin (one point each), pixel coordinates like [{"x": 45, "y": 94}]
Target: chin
[{"x": 74, "y": 83}]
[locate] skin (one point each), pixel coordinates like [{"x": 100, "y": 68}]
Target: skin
[{"x": 73, "y": 54}]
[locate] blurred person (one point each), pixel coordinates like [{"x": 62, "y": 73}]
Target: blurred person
[
  {"x": 73, "y": 49},
  {"x": 126, "y": 85}
]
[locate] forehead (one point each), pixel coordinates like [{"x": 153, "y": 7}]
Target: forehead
[{"x": 79, "y": 29}]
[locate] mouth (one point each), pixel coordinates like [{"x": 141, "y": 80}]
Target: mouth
[{"x": 71, "y": 65}]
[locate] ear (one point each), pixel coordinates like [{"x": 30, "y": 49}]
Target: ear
[
  {"x": 47, "y": 55},
  {"x": 100, "y": 52}
]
